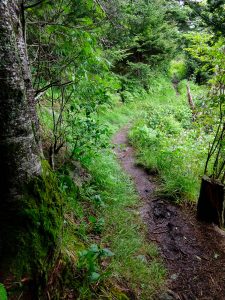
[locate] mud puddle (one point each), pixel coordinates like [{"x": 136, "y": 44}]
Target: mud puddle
[{"x": 194, "y": 253}]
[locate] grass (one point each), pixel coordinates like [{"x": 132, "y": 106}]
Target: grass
[
  {"x": 104, "y": 237},
  {"x": 104, "y": 212},
  {"x": 136, "y": 262},
  {"x": 168, "y": 142}
]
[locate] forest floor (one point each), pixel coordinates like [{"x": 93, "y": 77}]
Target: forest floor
[{"x": 193, "y": 252}]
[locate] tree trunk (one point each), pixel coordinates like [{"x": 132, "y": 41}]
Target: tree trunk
[
  {"x": 19, "y": 152},
  {"x": 210, "y": 207},
  {"x": 30, "y": 203}
]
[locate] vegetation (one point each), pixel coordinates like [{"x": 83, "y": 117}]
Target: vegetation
[
  {"x": 96, "y": 66},
  {"x": 169, "y": 143}
]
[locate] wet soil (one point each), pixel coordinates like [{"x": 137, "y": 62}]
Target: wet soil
[{"x": 193, "y": 252}]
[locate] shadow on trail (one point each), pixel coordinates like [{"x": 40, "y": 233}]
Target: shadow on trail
[{"x": 193, "y": 252}]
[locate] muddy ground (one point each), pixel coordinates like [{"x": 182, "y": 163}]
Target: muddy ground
[{"x": 193, "y": 252}]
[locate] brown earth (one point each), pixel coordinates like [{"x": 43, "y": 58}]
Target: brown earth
[{"x": 193, "y": 252}]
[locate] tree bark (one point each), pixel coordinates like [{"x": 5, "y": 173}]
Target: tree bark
[
  {"x": 210, "y": 207},
  {"x": 19, "y": 150},
  {"x": 190, "y": 99}
]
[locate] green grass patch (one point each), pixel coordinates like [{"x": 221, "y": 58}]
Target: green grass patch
[
  {"x": 104, "y": 236},
  {"x": 170, "y": 143},
  {"x": 136, "y": 262}
]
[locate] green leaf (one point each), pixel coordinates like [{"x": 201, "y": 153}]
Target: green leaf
[
  {"x": 92, "y": 219},
  {"x": 94, "y": 248},
  {"x": 107, "y": 252},
  {"x": 3, "y": 294},
  {"x": 94, "y": 276}
]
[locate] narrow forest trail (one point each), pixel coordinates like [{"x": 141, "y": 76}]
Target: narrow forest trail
[{"x": 194, "y": 253}]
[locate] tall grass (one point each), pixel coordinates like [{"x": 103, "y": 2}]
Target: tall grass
[{"x": 168, "y": 142}]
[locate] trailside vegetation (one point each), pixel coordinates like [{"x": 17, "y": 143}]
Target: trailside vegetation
[
  {"x": 76, "y": 72},
  {"x": 85, "y": 59}
]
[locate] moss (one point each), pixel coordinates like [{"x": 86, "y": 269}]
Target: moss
[
  {"x": 37, "y": 237},
  {"x": 117, "y": 294}
]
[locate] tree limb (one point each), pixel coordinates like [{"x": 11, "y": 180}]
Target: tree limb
[{"x": 41, "y": 91}]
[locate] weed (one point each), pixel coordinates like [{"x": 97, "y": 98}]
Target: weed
[{"x": 89, "y": 262}]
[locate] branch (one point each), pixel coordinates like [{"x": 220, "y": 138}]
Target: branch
[
  {"x": 33, "y": 5},
  {"x": 40, "y": 92},
  {"x": 46, "y": 23}
]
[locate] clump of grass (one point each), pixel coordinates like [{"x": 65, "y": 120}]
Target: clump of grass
[
  {"x": 178, "y": 68},
  {"x": 135, "y": 262}
]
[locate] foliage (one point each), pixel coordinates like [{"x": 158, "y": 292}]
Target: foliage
[
  {"x": 212, "y": 15},
  {"x": 211, "y": 54},
  {"x": 3, "y": 294},
  {"x": 89, "y": 262},
  {"x": 181, "y": 14},
  {"x": 178, "y": 69},
  {"x": 71, "y": 82},
  {"x": 141, "y": 36},
  {"x": 207, "y": 21},
  {"x": 123, "y": 229},
  {"x": 169, "y": 143}
]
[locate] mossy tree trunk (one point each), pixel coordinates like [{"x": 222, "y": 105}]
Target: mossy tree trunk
[
  {"x": 19, "y": 153},
  {"x": 29, "y": 206}
]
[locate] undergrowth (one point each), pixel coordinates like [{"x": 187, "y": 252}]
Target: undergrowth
[
  {"x": 104, "y": 238},
  {"x": 135, "y": 262},
  {"x": 104, "y": 251},
  {"x": 103, "y": 246},
  {"x": 169, "y": 142}
]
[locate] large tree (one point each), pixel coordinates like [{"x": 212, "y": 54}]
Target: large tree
[{"x": 28, "y": 204}]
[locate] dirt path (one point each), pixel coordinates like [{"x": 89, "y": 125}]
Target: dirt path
[{"x": 194, "y": 253}]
